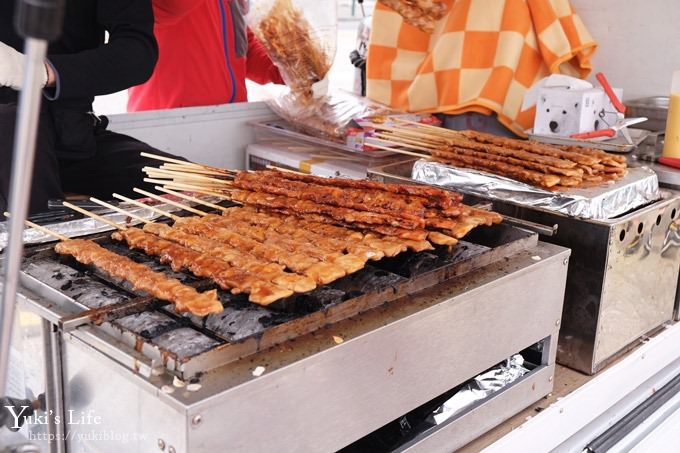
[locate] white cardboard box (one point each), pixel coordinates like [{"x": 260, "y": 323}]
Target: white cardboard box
[
  {"x": 258, "y": 156},
  {"x": 563, "y": 111}
]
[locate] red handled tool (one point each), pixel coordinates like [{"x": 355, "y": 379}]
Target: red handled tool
[
  {"x": 621, "y": 124},
  {"x": 670, "y": 161},
  {"x": 610, "y": 93}
]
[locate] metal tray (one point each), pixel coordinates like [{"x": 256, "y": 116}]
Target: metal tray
[
  {"x": 637, "y": 188},
  {"x": 615, "y": 145},
  {"x": 284, "y": 129}
]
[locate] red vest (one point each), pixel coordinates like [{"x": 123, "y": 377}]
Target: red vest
[{"x": 205, "y": 54}]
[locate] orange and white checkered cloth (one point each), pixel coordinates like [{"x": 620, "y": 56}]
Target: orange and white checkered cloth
[{"x": 482, "y": 57}]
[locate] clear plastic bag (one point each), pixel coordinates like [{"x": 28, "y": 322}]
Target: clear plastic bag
[
  {"x": 303, "y": 52},
  {"x": 326, "y": 117}
]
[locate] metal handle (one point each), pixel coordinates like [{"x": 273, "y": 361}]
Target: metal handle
[{"x": 543, "y": 230}]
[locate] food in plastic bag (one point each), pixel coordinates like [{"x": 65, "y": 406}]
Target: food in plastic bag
[
  {"x": 326, "y": 117},
  {"x": 422, "y": 14},
  {"x": 303, "y": 54}
]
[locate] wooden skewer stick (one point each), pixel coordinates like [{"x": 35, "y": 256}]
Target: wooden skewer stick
[
  {"x": 184, "y": 185},
  {"x": 42, "y": 229},
  {"x": 93, "y": 215},
  {"x": 435, "y": 129},
  {"x": 170, "y": 202},
  {"x": 174, "y": 174},
  {"x": 119, "y": 210},
  {"x": 286, "y": 170},
  {"x": 169, "y": 159},
  {"x": 411, "y": 140},
  {"x": 395, "y": 150},
  {"x": 197, "y": 183},
  {"x": 201, "y": 171},
  {"x": 189, "y": 198},
  {"x": 143, "y": 205},
  {"x": 181, "y": 186},
  {"x": 184, "y": 178},
  {"x": 407, "y": 131},
  {"x": 403, "y": 144},
  {"x": 187, "y": 164},
  {"x": 426, "y": 139}
]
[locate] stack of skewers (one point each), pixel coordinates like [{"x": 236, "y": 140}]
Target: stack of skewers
[
  {"x": 288, "y": 233},
  {"x": 546, "y": 166}
]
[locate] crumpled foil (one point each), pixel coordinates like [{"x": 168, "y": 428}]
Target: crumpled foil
[
  {"x": 638, "y": 188},
  {"x": 85, "y": 226},
  {"x": 480, "y": 387}
]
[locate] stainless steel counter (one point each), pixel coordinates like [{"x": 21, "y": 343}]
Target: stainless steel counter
[{"x": 330, "y": 387}]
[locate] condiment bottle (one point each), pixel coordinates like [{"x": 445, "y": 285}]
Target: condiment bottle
[{"x": 671, "y": 147}]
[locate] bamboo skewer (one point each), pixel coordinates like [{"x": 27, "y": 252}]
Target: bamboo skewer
[
  {"x": 404, "y": 131},
  {"x": 143, "y": 205},
  {"x": 399, "y": 151},
  {"x": 169, "y": 159},
  {"x": 406, "y": 141},
  {"x": 176, "y": 174},
  {"x": 119, "y": 210},
  {"x": 202, "y": 171},
  {"x": 170, "y": 202},
  {"x": 393, "y": 142},
  {"x": 180, "y": 186},
  {"x": 189, "y": 198},
  {"x": 93, "y": 215},
  {"x": 435, "y": 129},
  {"x": 185, "y": 185},
  {"x": 42, "y": 229},
  {"x": 285, "y": 170}
]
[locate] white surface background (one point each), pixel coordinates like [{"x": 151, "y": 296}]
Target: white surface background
[{"x": 639, "y": 42}]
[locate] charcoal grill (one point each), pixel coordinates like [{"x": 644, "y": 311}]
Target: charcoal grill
[{"x": 337, "y": 363}]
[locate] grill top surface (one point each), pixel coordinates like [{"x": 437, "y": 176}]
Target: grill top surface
[{"x": 212, "y": 341}]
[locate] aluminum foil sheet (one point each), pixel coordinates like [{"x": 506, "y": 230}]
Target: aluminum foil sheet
[
  {"x": 85, "y": 226},
  {"x": 480, "y": 387},
  {"x": 638, "y": 188}
]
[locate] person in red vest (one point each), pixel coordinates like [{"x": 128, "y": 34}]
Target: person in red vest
[{"x": 206, "y": 52}]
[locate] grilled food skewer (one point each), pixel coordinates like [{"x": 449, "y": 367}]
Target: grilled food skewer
[
  {"x": 202, "y": 265},
  {"x": 185, "y": 298},
  {"x": 190, "y": 198},
  {"x": 232, "y": 256},
  {"x": 146, "y": 206},
  {"x": 170, "y": 202}
]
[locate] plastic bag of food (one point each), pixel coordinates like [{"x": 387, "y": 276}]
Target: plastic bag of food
[
  {"x": 303, "y": 52},
  {"x": 422, "y": 14},
  {"x": 327, "y": 117}
]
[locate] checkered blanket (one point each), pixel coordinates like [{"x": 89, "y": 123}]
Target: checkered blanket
[{"x": 482, "y": 57}]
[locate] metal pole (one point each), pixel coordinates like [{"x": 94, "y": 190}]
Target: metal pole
[
  {"x": 54, "y": 397},
  {"x": 20, "y": 190},
  {"x": 38, "y": 21}
]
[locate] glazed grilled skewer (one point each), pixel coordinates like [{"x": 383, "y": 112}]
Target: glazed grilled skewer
[
  {"x": 339, "y": 214},
  {"x": 431, "y": 196},
  {"x": 321, "y": 272},
  {"x": 270, "y": 271},
  {"x": 224, "y": 275},
  {"x": 326, "y": 236},
  {"x": 184, "y": 297},
  {"x": 369, "y": 200}
]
